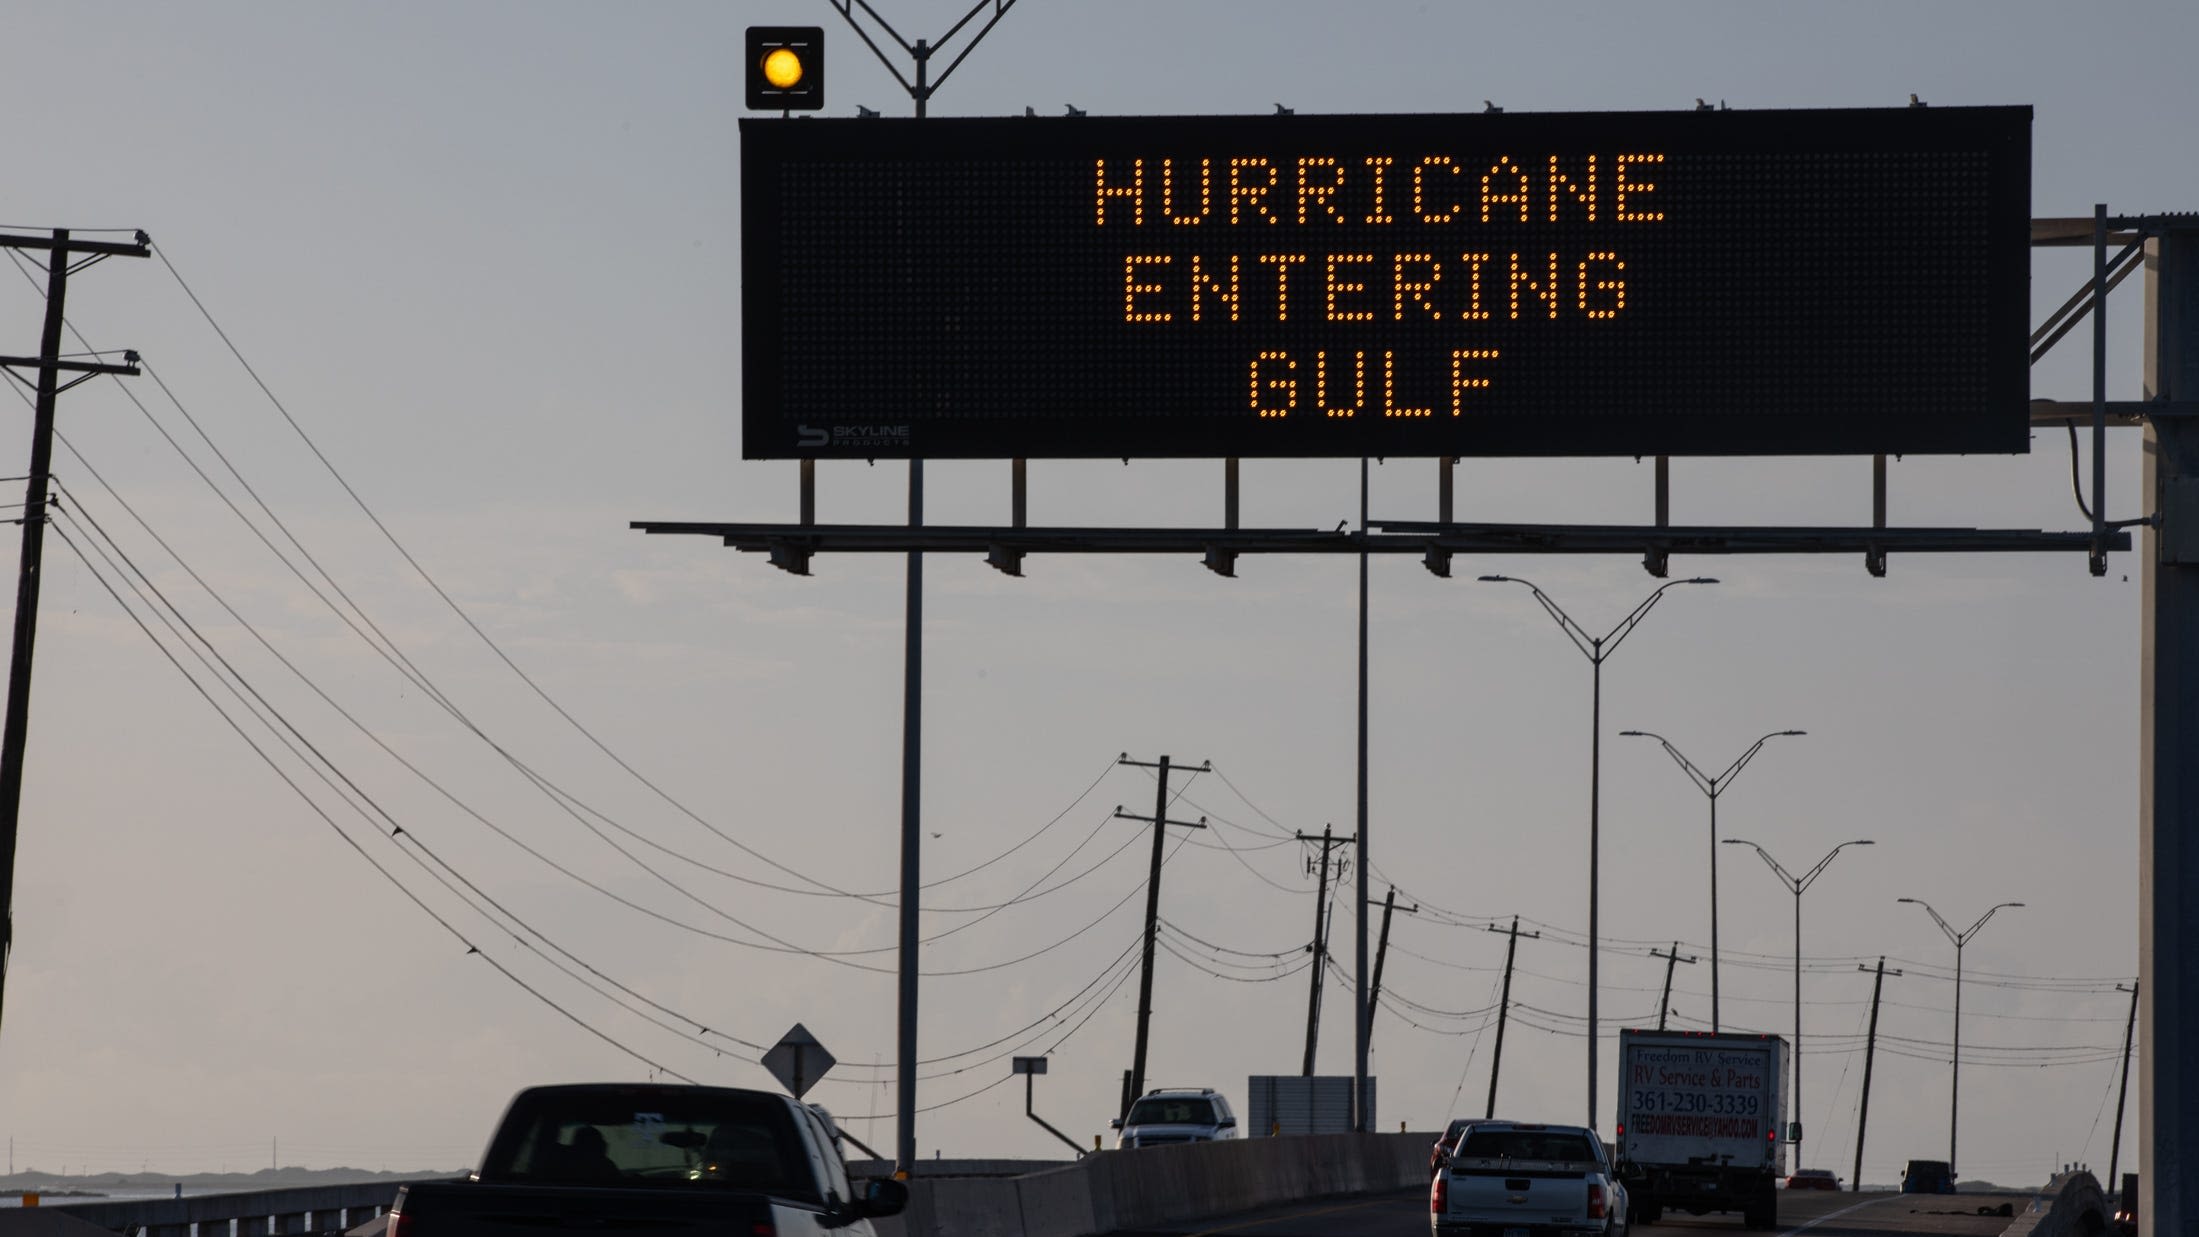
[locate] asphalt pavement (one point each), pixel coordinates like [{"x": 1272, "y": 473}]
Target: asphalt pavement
[{"x": 1405, "y": 1214}]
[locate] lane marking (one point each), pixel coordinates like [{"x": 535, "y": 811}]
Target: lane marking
[
  {"x": 1296, "y": 1215},
  {"x": 1843, "y": 1211}
]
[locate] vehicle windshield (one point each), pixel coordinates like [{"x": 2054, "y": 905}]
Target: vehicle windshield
[
  {"x": 723, "y": 1140},
  {"x": 1171, "y": 1110},
  {"x": 1556, "y": 1145}
]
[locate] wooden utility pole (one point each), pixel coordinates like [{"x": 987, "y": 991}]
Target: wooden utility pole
[
  {"x": 1504, "y": 1009},
  {"x": 1664, "y": 1005},
  {"x": 1160, "y": 822},
  {"x": 60, "y": 249},
  {"x": 1382, "y": 952},
  {"x": 2122, "y": 1093},
  {"x": 1870, "y": 1053},
  {"x": 1328, "y": 841}
]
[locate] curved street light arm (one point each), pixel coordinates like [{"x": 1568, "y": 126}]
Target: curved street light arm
[
  {"x": 1810, "y": 878},
  {"x": 1953, "y": 937},
  {"x": 1987, "y": 915},
  {"x": 1733, "y": 770},
  {"x": 1573, "y": 631},
  {"x": 1630, "y": 622},
  {"x": 1795, "y": 885},
  {"x": 1695, "y": 775}
]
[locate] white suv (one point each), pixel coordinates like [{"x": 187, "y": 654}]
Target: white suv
[{"x": 1183, "y": 1115}]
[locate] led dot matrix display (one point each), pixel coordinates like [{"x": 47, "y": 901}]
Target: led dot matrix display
[{"x": 1689, "y": 283}]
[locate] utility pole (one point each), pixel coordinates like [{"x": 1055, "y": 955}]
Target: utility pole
[
  {"x": 1381, "y": 952},
  {"x": 1321, "y": 916},
  {"x": 1504, "y": 1009},
  {"x": 1664, "y": 1005},
  {"x": 1870, "y": 1055},
  {"x": 2115, "y": 1153},
  {"x": 1160, "y": 822},
  {"x": 60, "y": 248}
]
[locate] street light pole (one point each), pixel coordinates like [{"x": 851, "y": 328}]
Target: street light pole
[
  {"x": 1798, "y": 884},
  {"x": 1954, "y": 1090},
  {"x": 1712, "y": 787},
  {"x": 1595, "y": 648}
]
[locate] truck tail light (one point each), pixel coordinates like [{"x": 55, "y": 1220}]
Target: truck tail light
[
  {"x": 1439, "y": 1194},
  {"x": 761, "y": 1228},
  {"x": 1595, "y": 1201},
  {"x": 1622, "y": 1129}
]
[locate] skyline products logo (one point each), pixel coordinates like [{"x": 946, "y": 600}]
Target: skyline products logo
[{"x": 851, "y": 437}]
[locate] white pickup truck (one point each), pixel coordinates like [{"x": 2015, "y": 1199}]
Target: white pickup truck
[{"x": 1515, "y": 1179}]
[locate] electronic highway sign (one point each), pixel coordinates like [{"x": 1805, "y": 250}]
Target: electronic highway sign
[{"x": 1570, "y": 284}]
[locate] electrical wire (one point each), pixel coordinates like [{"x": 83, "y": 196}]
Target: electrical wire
[
  {"x": 466, "y": 618},
  {"x": 398, "y": 833},
  {"x": 348, "y": 840},
  {"x": 778, "y": 944},
  {"x": 1168, "y": 944},
  {"x": 1242, "y": 953},
  {"x": 1287, "y": 831},
  {"x": 387, "y": 648}
]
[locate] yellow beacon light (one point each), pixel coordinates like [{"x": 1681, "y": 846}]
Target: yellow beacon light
[
  {"x": 786, "y": 68},
  {"x": 783, "y": 68}
]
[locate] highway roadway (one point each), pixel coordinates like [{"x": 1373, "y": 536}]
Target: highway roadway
[{"x": 1405, "y": 1214}]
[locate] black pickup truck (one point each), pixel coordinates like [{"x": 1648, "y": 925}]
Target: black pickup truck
[{"x": 671, "y": 1161}]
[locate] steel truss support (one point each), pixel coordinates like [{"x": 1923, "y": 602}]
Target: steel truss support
[{"x": 1420, "y": 537}]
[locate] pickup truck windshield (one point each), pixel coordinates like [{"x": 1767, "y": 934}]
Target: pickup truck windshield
[
  {"x": 1526, "y": 1145},
  {"x": 651, "y": 1140},
  {"x": 1155, "y": 1111}
]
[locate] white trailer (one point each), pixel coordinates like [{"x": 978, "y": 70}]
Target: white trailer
[{"x": 1702, "y": 1123}]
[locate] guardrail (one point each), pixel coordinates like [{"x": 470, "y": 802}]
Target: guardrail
[{"x": 256, "y": 1213}]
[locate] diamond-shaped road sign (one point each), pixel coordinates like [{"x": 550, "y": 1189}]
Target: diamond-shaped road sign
[{"x": 798, "y": 1060}]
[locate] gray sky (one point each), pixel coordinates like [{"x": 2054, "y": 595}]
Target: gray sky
[{"x": 487, "y": 256}]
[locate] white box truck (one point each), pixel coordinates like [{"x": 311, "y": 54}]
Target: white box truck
[{"x": 1702, "y": 1123}]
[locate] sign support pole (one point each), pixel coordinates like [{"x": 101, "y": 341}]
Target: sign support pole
[
  {"x": 1362, "y": 1096},
  {"x": 2168, "y": 809}
]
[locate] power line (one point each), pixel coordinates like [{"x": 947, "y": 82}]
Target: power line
[
  {"x": 460, "y": 611},
  {"x": 348, "y": 840},
  {"x": 779, "y": 945},
  {"x": 399, "y": 833}
]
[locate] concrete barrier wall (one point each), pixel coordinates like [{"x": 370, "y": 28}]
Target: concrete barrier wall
[
  {"x": 1158, "y": 1185},
  {"x": 2073, "y": 1205}
]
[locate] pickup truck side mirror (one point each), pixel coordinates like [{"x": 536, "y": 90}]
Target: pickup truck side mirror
[
  {"x": 1230, "y": 1124},
  {"x": 881, "y": 1196},
  {"x": 1114, "y": 1123}
]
